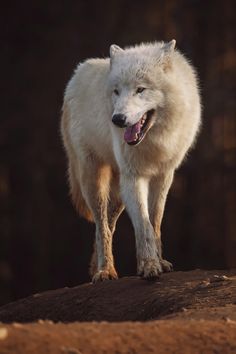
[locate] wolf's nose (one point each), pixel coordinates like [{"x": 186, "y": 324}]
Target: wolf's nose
[{"x": 119, "y": 120}]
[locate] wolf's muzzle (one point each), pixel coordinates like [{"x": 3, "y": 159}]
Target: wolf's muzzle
[{"x": 119, "y": 120}]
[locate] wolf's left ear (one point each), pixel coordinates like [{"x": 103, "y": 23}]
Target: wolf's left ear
[
  {"x": 168, "y": 50},
  {"x": 169, "y": 47}
]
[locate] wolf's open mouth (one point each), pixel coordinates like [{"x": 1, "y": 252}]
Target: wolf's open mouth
[{"x": 135, "y": 133}]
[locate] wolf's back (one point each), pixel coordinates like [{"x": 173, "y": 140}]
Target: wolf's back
[{"x": 73, "y": 169}]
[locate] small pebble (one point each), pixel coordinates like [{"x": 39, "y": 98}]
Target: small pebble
[
  {"x": 70, "y": 350},
  {"x": 37, "y": 295},
  {"x": 228, "y": 320},
  {"x": 220, "y": 278},
  {"x": 17, "y": 325},
  {"x": 204, "y": 284},
  {"x": 3, "y": 333}
]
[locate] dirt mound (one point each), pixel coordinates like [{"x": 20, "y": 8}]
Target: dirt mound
[
  {"x": 193, "y": 311},
  {"x": 133, "y": 299}
]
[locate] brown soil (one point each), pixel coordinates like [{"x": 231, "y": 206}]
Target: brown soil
[{"x": 183, "y": 312}]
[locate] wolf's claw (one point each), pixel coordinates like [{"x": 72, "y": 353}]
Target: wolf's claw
[
  {"x": 150, "y": 270},
  {"x": 103, "y": 275},
  {"x": 166, "y": 266}
]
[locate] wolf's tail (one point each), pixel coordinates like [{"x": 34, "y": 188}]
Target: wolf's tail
[
  {"x": 73, "y": 170},
  {"x": 77, "y": 197}
]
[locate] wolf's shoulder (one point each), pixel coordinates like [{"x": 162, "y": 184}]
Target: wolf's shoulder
[{"x": 88, "y": 75}]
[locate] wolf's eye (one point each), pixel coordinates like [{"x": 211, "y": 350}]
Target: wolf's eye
[
  {"x": 140, "y": 89},
  {"x": 116, "y": 92}
]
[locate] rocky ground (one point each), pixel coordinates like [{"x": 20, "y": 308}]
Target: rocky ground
[{"x": 183, "y": 312}]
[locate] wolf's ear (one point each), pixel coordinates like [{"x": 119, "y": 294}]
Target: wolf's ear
[
  {"x": 168, "y": 50},
  {"x": 114, "y": 49},
  {"x": 169, "y": 47}
]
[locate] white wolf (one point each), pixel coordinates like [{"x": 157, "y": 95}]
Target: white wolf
[{"x": 127, "y": 124}]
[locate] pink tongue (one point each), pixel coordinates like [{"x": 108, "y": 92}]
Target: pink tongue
[{"x": 130, "y": 132}]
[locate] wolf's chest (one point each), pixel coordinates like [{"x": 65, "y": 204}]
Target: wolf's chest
[{"x": 142, "y": 162}]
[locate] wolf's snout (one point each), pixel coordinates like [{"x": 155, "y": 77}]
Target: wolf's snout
[{"x": 119, "y": 120}]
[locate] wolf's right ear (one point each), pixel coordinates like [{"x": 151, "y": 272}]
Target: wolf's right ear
[{"x": 114, "y": 49}]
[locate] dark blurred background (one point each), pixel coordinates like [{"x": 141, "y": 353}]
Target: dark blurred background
[{"x": 43, "y": 244}]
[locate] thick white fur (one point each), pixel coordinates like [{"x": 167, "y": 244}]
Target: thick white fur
[{"x": 105, "y": 173}]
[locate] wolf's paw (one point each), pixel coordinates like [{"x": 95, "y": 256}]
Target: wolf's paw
[
  {"x": 150, "y": 269},
  {"x": 166, "y": 266},
  {"x": 103, "y": 275}
]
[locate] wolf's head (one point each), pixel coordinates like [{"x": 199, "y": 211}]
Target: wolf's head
[{"x": 137, "y": 86}]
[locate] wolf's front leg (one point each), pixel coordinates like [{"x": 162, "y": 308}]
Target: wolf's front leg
[
  {"x": 158, "y": 190},
  {"x": 134, "y": 192}
]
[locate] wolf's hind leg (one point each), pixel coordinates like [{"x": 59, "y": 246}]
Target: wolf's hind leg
[
  {"x": 158, "y": 190},
  {"x": 115, "y": 204},
  {"x": 93, "y": 268},
  {"x": 95, "y": 181}
]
